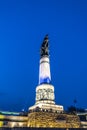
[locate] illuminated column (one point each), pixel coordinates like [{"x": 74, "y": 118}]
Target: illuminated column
[
  {"x": 44, "y": 70},
  {"x": 44, "y": 91}
]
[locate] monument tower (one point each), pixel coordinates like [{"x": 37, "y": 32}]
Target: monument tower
[{"x": 45, "y": 97}]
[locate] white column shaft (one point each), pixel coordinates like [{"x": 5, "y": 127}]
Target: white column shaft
[{"x": 44, "y": 70}]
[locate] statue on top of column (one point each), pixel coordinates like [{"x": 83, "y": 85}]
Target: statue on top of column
[{"x": 44, "y": 47}]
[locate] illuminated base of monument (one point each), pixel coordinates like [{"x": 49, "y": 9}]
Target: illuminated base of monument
[
  {"x": 47, "y": 107},
  {"x": 45, "y": 99},
  {"x": 52, "y": 120}
]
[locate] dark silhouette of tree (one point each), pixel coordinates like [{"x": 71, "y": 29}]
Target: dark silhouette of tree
[{"x": 73, "y": 109}]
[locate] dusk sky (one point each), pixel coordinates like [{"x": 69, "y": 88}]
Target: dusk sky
[{"x": 23, "y": 26}]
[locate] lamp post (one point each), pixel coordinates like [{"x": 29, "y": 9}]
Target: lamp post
[{"x": 75, "y": 101}]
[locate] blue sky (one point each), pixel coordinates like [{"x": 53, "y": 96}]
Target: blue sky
[{"x": 23, "y": 25}]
